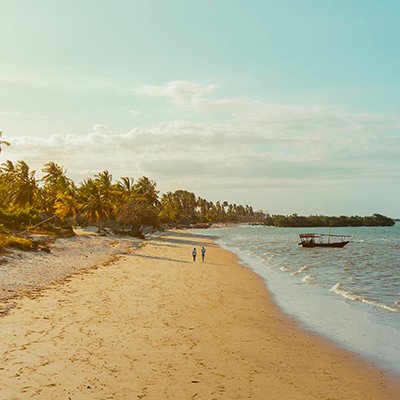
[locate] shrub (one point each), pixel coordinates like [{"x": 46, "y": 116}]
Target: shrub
[
  {"x": 16, "y": 242},
  {"x": 20, "y": 218},
  {"x": 4, "y": 230}
]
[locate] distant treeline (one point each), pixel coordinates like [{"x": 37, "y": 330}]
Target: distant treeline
[
  {"x": 125, "y": 205},
  {"x": 299, "y": 221},
  {"x": 122, "y": 205}
]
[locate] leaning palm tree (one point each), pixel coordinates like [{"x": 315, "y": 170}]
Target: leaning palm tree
[
  {"x": 55, "y": 175},
  {"x": 3, "y": 141},
  {"x": 23, "y": 189}
]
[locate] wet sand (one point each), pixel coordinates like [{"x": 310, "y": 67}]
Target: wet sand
[{"x": 155, "y": 325}]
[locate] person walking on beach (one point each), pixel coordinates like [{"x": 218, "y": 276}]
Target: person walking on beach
[
  {"x": 194, "y": 254},
  {"x": 203, "y": 253}
]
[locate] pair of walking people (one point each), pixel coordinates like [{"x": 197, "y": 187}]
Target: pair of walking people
[{"x": 203, "y": 254}]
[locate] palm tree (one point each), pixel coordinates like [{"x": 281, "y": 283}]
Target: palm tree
[
  {"x": 54, "y": 174},
  {"x": 146, "y": 188},
  {"x": 66, "y": 204},
  {"x": 93, "y": 203},
  {"x": 55, "y": 183},
  {"x": 124, "y": 189},
  {"x": 24, "y": 185},
  {"x": 104, "y": 181},
  {"x": 126, "y": 184},
  {"x": 121, "y": 193},
  {"x": 8, "y": 167}
]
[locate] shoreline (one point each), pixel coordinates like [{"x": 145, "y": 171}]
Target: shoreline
[
  {"x": 367, "y": 331},
  {"x": 155, "y": 325}
]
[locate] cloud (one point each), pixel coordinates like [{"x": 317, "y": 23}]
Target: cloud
[
  {"x": 100, "y": 129},
  {"x": 188, "y": 95},
  {"x": 259, "y": 146},
  {"x": 273, "y": 145},
  {"x": 176, "y": 90},
  {"x": 134, "y": 112},
  {"x": 10, "y": 112},
  {"x": 61, "y": 80}
]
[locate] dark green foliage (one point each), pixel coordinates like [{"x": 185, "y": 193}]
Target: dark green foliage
[
  {"x": 295, "y": 220},
  {"x": 56, "y": 200},
  {"x": 138, "y": 212},
  {"x": 19, "y": 218},
  {"x": 4, "y": 230}
]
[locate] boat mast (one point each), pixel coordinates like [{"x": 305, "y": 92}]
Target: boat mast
[{"x": 330, "y": 230}]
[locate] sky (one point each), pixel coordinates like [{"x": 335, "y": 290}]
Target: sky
[{"x": 289, "y": 106}]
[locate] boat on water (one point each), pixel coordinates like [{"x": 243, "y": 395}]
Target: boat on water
[{"x": 323, "y": 240}]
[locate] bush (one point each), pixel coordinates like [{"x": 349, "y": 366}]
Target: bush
[
  {"x": 4, "y": 230},
  {"x": 16, "y": 242},
  {"x": 19, "y": 219}
]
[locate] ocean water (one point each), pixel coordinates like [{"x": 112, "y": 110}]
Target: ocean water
[{"x": 350, "y": 295}]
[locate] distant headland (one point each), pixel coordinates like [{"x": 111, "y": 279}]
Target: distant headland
[{"x": 295, "y": 220}]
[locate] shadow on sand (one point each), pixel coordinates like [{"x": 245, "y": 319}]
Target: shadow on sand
[
  {"x": 159, "y": 258},
  {"x": 169, "y": 239}
]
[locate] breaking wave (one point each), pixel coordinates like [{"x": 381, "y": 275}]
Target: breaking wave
[
  {"x": 303, "y": 269},
  {"x": 308, "y": 279},
  {"x": 338, "y": 289}
]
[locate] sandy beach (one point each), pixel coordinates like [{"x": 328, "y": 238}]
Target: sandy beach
[
  {"x": 25, "y": 273},
  {"x": 152, "y": 324}
]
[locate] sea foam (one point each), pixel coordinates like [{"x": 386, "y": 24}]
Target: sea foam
[
  {"x": 308, "y": 279},
  {"x": 355, "y": 297},
  {"x": 303, "y": 269}
]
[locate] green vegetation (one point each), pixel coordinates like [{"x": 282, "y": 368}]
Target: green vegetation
[
  {"x": 52, "y": 204},
  {"x": 126, "y": 205},
  {"x": 323, "y": 220},
  {"x": 16, "y": 242}
]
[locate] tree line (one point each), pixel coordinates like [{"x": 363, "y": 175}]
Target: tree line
[
  {"x": 299, "y": 221},
  {"x": 124, "y": 205},
  {"x": 127, "y": 205}
]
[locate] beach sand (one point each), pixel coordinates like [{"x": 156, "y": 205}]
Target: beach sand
[
  {"x": 24, "y": 272},
  {"x": 155, "y": 325}
]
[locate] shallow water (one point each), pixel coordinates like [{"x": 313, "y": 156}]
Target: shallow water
[{"x": 351, "y": 295}]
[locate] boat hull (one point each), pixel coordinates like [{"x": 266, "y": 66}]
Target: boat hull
[{"x": 337, "y": 244}]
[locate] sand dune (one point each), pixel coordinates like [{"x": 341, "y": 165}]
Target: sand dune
[{"x": 155, "y": 325}]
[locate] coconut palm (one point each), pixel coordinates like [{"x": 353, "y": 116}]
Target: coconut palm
[
  {"x": 8, "y": 167},
  {"x": 146, "y": 188},
  {"x": 93, "y": 203},
  {"x": 124, "y": 189},
  {"x": 23, "y": 189},
  {"x": 66, "y": 204},
  {"x": 55, "y": 183},
  {"x": 55, "y": 175}
]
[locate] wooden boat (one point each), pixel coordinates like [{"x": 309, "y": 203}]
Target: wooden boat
[{"x": 323, "y": 240}]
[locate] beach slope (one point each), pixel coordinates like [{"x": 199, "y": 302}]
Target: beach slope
[{"x": 156, "y": 325}]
